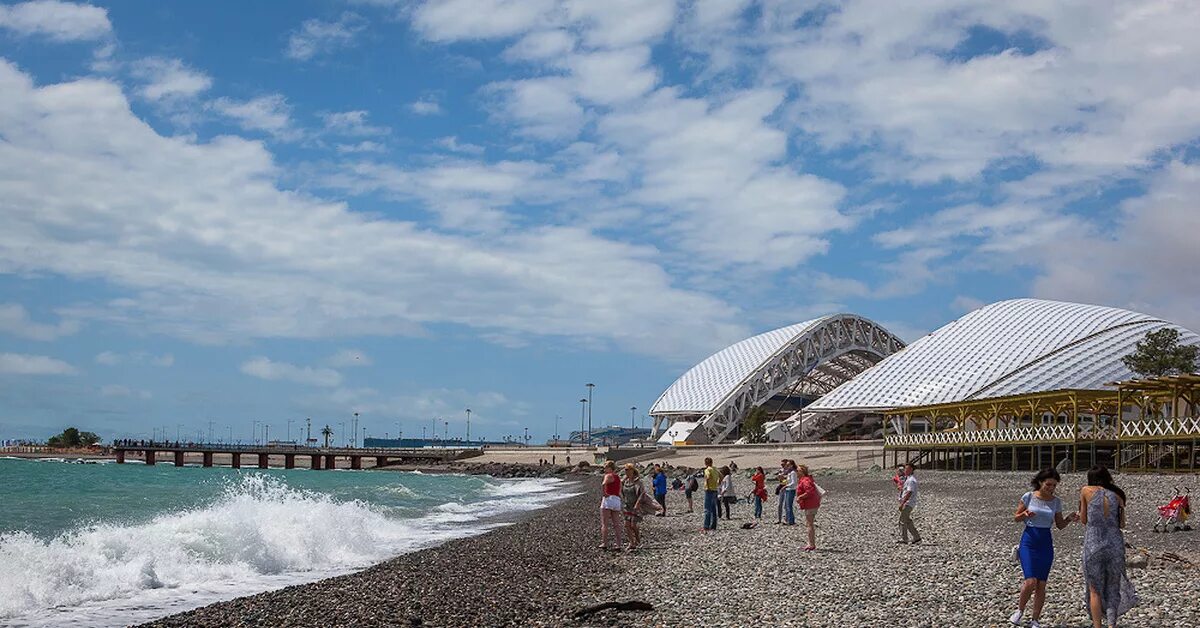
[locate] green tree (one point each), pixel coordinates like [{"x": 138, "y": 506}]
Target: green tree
[
  {"x": 1160, "y": 353},
  {"x": 752, "y": 426},
  {"x": 71, "y": 438}
]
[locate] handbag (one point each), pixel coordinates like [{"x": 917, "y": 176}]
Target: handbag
[{"x": 820, "y": 491}]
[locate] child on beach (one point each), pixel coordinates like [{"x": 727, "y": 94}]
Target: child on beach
[
  {"x": 809, "y": 500},
  {"x": 632, "y": 492},
  {"x": 760, "y": 490},
  {"x": 725, "y": 491}
]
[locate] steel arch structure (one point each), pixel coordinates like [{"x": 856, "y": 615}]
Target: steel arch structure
[{"x": 813, "y": 357}]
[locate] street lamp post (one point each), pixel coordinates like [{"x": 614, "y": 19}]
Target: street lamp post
[
  {"x": 354, "y": 432},
  {"x": 468, "y": 427},
  {"x": 556, "y": 418},
  {"x": 446, "y": 433},
  {"x": 632, "y": 423},
  {"x": 254, "y": 431},
  {"x": 582, "y": 413},
  {"x": 590, "y": 386}
]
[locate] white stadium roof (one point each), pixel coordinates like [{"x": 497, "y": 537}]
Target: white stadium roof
[
  {"x": 1006, "y": 348},
  {"x": 704, "y": 386}
]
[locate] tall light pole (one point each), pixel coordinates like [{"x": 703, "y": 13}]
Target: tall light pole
[
  {"x": 230, "y": 433},
  {"x": 308, "y": 431},
  {"x": 468, "y": 426},
  {"x": 446, "y": 433},
  {"x": 632, "y": 424},
  {"x": 399, "y": 434},
  {"x": 354, "y": 432},
  {"x": 590, "y": 386},
  {"x": 364, "y": 440},
  {"x": 266, "y": 434},
  {"x": 556, "y": 418},
  {"x": 254, "y": 431},
  {"x": 582, "y": 412}
]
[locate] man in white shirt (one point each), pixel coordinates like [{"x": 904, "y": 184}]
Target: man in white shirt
[{"x": 908, "y": 501}]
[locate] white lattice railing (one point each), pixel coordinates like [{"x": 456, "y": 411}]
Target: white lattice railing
[
  {"x": 1105, "y": 432},
  {"x": 1186, "y": 426},
  {"x": 1031, "y": 434}
]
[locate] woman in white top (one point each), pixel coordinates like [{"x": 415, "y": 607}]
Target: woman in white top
[{"x": 1040, "y": 510}]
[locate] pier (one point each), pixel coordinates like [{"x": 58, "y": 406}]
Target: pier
[{"x": 292, "y": 455}]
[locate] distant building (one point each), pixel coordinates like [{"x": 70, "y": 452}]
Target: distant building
[{"x": 612, "y": 435}]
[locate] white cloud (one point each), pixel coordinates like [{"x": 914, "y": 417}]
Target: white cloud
[
  {"x": 544, "y": 108},
  {"x": 112, "y": 358},
  {"x": 963, "y": 303},
  {"x": 166, "y": 79},
  {"x": 347, "y": 358},
  {"x": 167, "y": 222},
  {"x": 361, "y": 147},
  {"x": 23, "y": 364},
  {"x": 15, "y": 320},
  {"x": 549, "y": 46},
  {"x": 60, "y": 21},
  {"x": 352, "y": 123},
  {"x": 270, "y": 113},
  {"x": 447, "y": 20},
  {"x": 321, "y": 37},
  {"x": 117, "y": 390},
  {"x": 427, "y": 106},
  {"x": 452, "y": 144},
  {"x": 264, "y": 368},
  {"x": 1142, "y": 261}
]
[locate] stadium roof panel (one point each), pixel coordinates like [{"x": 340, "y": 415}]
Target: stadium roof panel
[{"x": 1006, "y": 348}]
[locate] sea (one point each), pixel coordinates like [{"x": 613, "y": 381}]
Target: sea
[{"x": 107, "y": 544}]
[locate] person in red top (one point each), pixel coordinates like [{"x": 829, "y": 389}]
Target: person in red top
[
  {"x": 610, "y": 506},
  {"x": 760, "y": 490},
  {"x": 809, "y": 499}
]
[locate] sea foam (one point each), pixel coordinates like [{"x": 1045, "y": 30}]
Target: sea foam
[{"x": 260, "y": 534}]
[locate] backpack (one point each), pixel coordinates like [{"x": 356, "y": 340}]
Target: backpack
[{"x": 693, "y": 485}]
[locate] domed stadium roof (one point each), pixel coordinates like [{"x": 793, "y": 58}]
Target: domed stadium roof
[
  {"x": 1006, "y": 348},
  {"x": 817, "y": 355}
]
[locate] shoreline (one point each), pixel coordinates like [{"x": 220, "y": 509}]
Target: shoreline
[
  {"x": 533, "y": 571},
  {"x": 542, "y": 569}
]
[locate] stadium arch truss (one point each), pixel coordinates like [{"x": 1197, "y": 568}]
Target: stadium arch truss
[{"x": 814, "y": 357}]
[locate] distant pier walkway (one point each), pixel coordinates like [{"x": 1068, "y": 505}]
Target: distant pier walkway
[{"x": 309, "y": 457}]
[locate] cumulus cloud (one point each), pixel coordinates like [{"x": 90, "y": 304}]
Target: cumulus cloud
[
  {"x": 427, "y": 106},
  {"x": 24, "y": 364},
  {"x": 351, "y": 123},
  {"x": 142, "y": 358},
  {"x": 166, "y": 79},
  {"x": 264, "y": 368},
  {"x": 322, "y": 37},
  {"x": 60, "y": 21},
  {"x": 270, "y": 114},
  {"x": 15, "y": 320}
]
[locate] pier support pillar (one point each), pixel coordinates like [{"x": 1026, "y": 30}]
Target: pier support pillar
[
  {"x": 208, "y": 458},
  {"x": 289, "y": 461},
  {"x": 356, "y": 462},
  {"x": 314, "y": 463},
  {"x": 150, "y": 458},
  {"x": 236, "y": 460},
  {"x": 381, "y": 461},
  {"x": 179, "y": 458},
  {"x": 264, "y": 461},
  {"x": 120, "y": 456},
  {"x": 330, "y": 461}
]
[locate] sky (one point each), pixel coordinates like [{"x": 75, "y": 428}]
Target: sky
[{"x": 220, "y": 214}]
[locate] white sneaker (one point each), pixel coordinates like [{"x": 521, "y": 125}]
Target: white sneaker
[
  {"x": 1015, "y": 557},
  {"x": 1015, "y": 618},
  {"x": 1033, "y": 623}
]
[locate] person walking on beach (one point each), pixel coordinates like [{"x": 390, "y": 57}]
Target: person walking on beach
[
  {"x": 809, "y": 500},
  {"x": 610, "y": 506},
  {"x": 1109, "y": 593},
  {"x": 898, "y": 479},
  {"x": 725, "y": 491},
  {"x": 1040, "y": 510},
  {"x": 712, "y": 480},
  {"x": 760, "y": 490},
  {"x": 660, "y": 489},
  {"x": 789, "y": 494},
  {"x": 908, "y": 501},
  {"x": 693, "y": 485},
  {"x": 632, "y": 492}
]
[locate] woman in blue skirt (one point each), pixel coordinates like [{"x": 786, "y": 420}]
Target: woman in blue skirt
[{"x": 1040, "y": 510}]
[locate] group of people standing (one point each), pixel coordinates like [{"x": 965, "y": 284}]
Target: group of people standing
[{"x": 1109, "y": 593}]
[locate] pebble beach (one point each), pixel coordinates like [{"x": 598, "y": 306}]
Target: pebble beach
[{"x": 542, "y": 569}]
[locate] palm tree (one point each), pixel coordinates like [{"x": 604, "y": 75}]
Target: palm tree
[{"x": 327, "y": 433}]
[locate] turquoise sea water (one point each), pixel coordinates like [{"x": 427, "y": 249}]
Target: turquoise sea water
[{"x": 108, "y": 544}]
